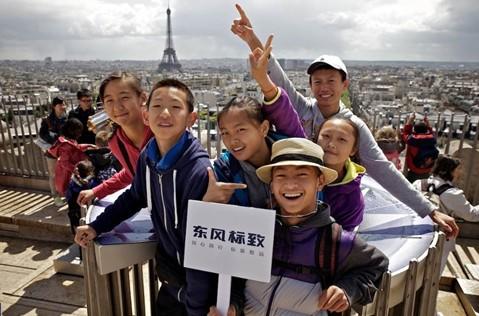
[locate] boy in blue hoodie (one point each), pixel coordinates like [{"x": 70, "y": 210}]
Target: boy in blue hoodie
[{"x": 171, "y": 170}]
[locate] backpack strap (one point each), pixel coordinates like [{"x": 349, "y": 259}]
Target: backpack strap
[
  {"x": 124, "y": 152},
  {"x": 297, "y": 268},
  {"x": 49, "y": 123},
  {"x": 439, "y": 190},
  {"x": 327, "y": 250}
]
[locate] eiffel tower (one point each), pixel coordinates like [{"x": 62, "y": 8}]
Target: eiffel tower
[{"x": 169, "y": 62}]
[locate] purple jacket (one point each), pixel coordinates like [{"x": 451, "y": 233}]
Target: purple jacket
[
  {"x": 281, "y": 113},
  {"x": 360, "y": 265},
  {"x": 345, "y": 198}
]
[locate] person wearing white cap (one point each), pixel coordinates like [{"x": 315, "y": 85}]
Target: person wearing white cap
[{"x": 328, "y": 79}]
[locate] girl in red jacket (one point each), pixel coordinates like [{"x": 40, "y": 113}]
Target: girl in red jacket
[
  {"x": 68, "y": 153},
  {"x": 122, "y": 98}
]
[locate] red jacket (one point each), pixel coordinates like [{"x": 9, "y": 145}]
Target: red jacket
[
  {"x": 68, "y": 153},
  {"x": 125, "y": 176},
  {"x": 415, "y": 144}
]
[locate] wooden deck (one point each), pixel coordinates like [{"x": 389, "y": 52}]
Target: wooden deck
[
  {"x": 460, "y": 279},
  {"x": 29, "y": 284},
  {"x": 32, "y": 214},
  {"x": 33, "y": 231}
]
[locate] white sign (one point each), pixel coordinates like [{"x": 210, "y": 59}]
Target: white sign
[{"x": 230, "y": 240}]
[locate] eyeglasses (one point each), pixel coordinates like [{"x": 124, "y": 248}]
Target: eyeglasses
[{"x": 86, "y": 100}]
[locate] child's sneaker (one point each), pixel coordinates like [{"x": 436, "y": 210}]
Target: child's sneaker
[{"x": 58, "y": 201}]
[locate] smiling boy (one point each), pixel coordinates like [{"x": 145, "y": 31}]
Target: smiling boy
[
  {"x": 171, "y": 170},
  {"x": 300, "y": 283}
]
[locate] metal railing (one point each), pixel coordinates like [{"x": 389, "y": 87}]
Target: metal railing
[
  {"x": 19, "y": 127},
  {"x": 21, "y": 117},
  {"x": 20, "y": 124},
  {"x": 132, "y": 290}
]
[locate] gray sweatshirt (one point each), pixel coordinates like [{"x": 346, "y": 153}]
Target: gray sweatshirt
[{"x": 378, "y": 167}]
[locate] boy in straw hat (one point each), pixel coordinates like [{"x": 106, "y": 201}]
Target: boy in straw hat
[{"x": 316, "y": 266}]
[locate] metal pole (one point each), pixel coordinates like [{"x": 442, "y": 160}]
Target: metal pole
[
  {"x": 449, "y": 135},
  {"x": 464, "y": 129},
  {"x": 472, "y": 157},
  {"x": 218, "y": 134}
]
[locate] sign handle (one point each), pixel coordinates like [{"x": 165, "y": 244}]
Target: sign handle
[{"x": 224, "y": 290}]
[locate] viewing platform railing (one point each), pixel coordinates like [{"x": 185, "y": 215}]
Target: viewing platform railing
[
  {"x": 21, "y": 158},
  {"x": 133, "y": 288}
]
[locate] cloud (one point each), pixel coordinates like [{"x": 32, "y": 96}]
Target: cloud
[{"x": 367, "y": 29}]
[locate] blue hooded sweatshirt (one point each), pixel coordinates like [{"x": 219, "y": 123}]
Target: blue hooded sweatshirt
[{"x": 164, "y": 185}]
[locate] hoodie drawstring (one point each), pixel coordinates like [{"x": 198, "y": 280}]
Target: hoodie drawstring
[
  {"x": 174, "y": 199},
  {"x": 148, "y": 189}
]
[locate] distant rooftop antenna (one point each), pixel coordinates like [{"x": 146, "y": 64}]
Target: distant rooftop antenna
[{"x": 169, "y": 62}]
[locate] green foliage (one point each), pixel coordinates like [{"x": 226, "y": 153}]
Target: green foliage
[
  {"x": 203, "y": 115},
  {"x": 345, "y": 99}
]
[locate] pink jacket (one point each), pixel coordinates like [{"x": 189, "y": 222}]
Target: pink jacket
[
  {"x": 68, "y": 153},
  {"x": 125, "y": 176}
]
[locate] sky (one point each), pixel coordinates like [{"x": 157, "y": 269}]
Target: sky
[{"x": 410, "y": 30}]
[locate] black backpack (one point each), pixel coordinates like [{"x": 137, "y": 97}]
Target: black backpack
[
  {"x": 427, "y": 151},
  {"x": 426, "y": 157}
]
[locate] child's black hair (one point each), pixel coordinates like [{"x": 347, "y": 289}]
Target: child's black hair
[
  {"x": 56, "y": 100},
  {"x": 72, "y": 128},
  {"x": 83, "y": 93},
  {"x": 130, "y": 79},
  {"x": 420, "y": 128},
  {"x": 85, "y": 168},
  {"x": 248, "y": 104},
  {"x": 444, "y": 167},
  {"x": 174, "y": 83}
]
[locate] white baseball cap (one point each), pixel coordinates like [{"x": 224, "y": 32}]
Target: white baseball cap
[{"x": 331, "y": 60}]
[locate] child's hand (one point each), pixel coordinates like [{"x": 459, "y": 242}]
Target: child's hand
[
  {"x": 84, "y": 234},
  {"x": 446, "y": 223},
  {"x": 426, "y": 121},
  {"x": 333, "y": 299},
  {"x": 242, "y": 27},
  {"x": 214, "y": 312},
  {"x": 258, "y": 60},
  {"x": 411, "y": 118},
  {"x": 220, "y": 192},
  {"x": 85, "y": 197}
]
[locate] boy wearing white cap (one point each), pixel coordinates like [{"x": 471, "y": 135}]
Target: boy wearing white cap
[
  {"x": 317, "y": 267},
  {"x": 328, "y": 80}
]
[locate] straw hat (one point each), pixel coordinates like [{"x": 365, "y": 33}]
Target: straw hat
[{"x": 296, "y": 152}]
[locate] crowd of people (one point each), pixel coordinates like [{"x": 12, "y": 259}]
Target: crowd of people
[{"x": 302, "y": 156}]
